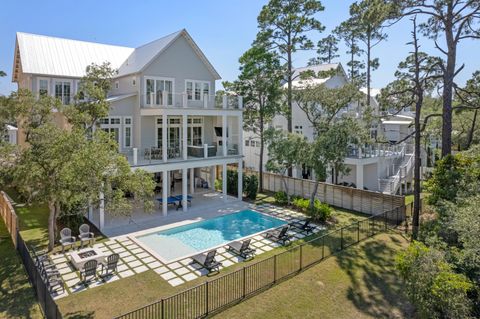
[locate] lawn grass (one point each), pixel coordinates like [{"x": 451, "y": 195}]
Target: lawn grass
[
  {"x": 359, "y": 282},
  {"x": 17, "y": 299}
]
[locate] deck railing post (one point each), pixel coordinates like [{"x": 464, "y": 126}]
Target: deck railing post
[{"x": 206, "y": 298}]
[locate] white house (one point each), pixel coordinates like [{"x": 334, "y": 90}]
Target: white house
[
  {"x": 164, "y": 112},
  {"x": 10, "y": 134},
  {"x": 374, "y": 167}
]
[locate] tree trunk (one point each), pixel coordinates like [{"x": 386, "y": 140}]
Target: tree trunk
[
  {"x": 312, "y": 196},
  {"x": 416, "y": 171},
  {"x": 472, "y": 130},
  {"x": 262, "y": 145},
  {"x": 369, "y": 49},
  {"x": 285, "y": 185},
  {"x": 448, "y": 87},
  {"x": 51, "y": 225}
]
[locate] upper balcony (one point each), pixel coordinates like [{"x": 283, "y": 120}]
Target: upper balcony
[{"x": 165, "y": 99}]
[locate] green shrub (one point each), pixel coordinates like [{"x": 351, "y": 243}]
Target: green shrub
[
  {"x": 281, "y": 198},
  {"x": 232, "y": 182},
  {"x": 250, "y": 186},
  {"x": 321, "y": 212},
  {"x": 218, "y": 184}
]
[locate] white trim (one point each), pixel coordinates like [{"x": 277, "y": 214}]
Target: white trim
[
  {"x": 63, "y": 80},
  {"x": 201, "y": 89},
  {"x": 156, "y": 78},
  {"x": 49, "y": 88},
  {"x": 125, "y": 126}
]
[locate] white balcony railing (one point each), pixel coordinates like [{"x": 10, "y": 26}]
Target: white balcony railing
[{"x": 184, "y": 100}]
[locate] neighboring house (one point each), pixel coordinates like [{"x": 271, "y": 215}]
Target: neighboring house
[
  {"x": 373, "y": 167},
  {"x": 164, "y": 112},
  {"x": 10, "y": 134}
]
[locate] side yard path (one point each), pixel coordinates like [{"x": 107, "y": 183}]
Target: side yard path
[
  {"x": 17, "y": 299},
  {"x": 359, "y": 282}
]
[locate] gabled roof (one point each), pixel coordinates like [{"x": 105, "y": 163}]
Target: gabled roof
[
  {"x": 51, "y": 56},
  {"x": 299, "y": 82}
]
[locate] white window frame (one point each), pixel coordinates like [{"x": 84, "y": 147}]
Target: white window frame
[
  {"x": 191, "y": 125},
  {"x": 72, "y": 93},
  {"x": 155, "y": 79},
  {"x": 119, "y": 126},
  {"x": 201, "y": 82},
  {"x": 49, "y": 88},
  {"x": 125, "y": 126}
]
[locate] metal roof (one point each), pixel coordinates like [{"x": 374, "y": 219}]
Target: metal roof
[
  {"x": 51, "y": 56},
  {"x": 114, "y": 98},
  {"x": 316, "y": 68}
]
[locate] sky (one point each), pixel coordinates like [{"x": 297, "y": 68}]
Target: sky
[{"x": 223, "y": 29}]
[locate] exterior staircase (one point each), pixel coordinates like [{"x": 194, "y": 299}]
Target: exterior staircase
[{"x": 403, "y": 168}]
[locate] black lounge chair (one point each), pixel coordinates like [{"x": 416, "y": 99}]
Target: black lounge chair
[
  {"x": 303, "y": 226},
  {"x": 242, "y": 248},
  {"x": 110, "y": 267},
  {"x": 89, "y": 271},
  {"x": 279, "y": 235},
  {"x": 208, "y": 260}
]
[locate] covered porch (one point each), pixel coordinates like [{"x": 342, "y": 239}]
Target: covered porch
[{"x": 180, "y": 194}]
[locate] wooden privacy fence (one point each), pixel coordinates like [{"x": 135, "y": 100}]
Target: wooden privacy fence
[
  {"x": 359, "y": 200},
  {"x": 9, "y": 216}
]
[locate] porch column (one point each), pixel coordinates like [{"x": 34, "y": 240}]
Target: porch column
[
  {"x": 224, "y": 135},
  {"x": 240, "y": 134},
  {"x": 359, "y": 176},
  {"x": 164, "y": 192},
  {"x": 184, "y": 137},
  {"x": 212, "y": 177},
  {"x": 101, "y": 210},
  {"x": 224, "y": 182},
  {"x": 164, "y": 137},
  {"x": 184, "y": 189},
  {"x": 192, "y": 181},
  {"x": 240, "y": 179}
]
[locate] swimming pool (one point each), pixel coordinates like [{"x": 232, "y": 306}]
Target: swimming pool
[{"x": 182, "y": 241}]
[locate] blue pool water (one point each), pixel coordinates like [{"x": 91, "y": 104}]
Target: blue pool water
[{"x": 188, "y": 239}]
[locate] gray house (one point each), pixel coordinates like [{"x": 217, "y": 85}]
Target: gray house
[{"x": 164, "y": 113}]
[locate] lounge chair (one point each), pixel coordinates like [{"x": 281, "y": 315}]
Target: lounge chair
[
  {"x": 208, "y": 260},
  {"x": 85, "y": 235},
  {"x": 303, "y": 226},
  {"x": 89, "y": 271},
  {"x": 242, "y": 248},
  {"x": 171, "y": 200},
  {"x": 279, "y": 235},
  {"x": 54, "y": 283},
  {"x": 180, "y": 198},
  {"x": 110, "y": 267},
  {"x": 66, "y": 238}
]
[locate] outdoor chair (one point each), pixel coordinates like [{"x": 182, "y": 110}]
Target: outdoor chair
[
  {"x": 89, "y": 271},
  {"x": 39, "y": 256},
  {"x": 303, "y": 226},
  {"x": 208, "y": 260},
  {"x": 279, "y": 235},
  {"x": 242, "y": 248},
  {"x": 110, "y": 266},
  {"x": 85, "y": 235},
  {"x": 55, "y": 283},
  {"x": 66, "y": 238}
]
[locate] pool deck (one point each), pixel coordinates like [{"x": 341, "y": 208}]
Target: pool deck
[
  {"x": 134, "y": 259},
  {"x": 204, "y": 205}
]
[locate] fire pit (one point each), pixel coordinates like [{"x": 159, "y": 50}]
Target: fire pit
[{"x": 80, "y": 257}]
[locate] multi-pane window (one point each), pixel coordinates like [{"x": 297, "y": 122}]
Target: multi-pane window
[
  {"x": 154, "y": 91},
  {"x": 63, "y": 91},
  {"x": 298, "y": 129},
  {"x": 127, "y": 132},
  {"x": 196, "y": 90},
  {"x": 43, "y": 87},
  {"x": 194, "y": 131}
]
